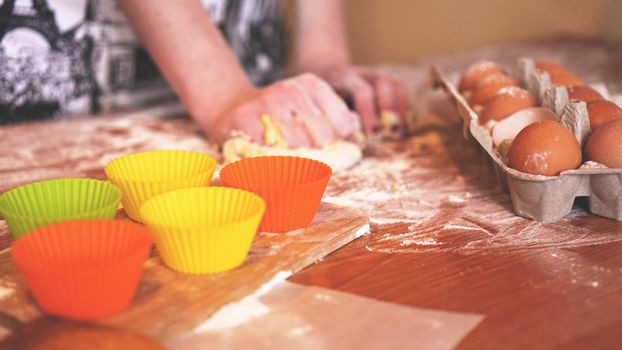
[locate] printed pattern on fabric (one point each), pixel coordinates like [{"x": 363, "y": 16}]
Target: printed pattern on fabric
[{"x": 68, "y": 57}]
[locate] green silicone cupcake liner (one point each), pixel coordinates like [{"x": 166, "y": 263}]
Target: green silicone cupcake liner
[{"x": 31, "y": 206}]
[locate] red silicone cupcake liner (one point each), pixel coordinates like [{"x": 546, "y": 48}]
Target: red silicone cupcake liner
[
  {"x": 291, "y": 186},
  {"x": 83, "y": 269}
]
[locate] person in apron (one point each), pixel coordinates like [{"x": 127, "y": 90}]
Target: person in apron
[{"x": 225, "y": 60}]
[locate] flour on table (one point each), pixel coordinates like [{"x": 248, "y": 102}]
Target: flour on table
[
  {"x": 7, "y": 289},
  {"x": 362, "y": 231},
  {"x": 425, "y": 202},
  {"x": 233, "y": 315},
  {"x": 237, "y": 313}
]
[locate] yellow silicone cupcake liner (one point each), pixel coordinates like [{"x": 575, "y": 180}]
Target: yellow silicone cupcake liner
[
  {"x": 203, "y": 230},
  {"x": 141, "y": 176}
]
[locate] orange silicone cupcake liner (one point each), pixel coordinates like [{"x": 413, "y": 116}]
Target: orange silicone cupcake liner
[
  {"x": 291, "y": 186},
  {"x": 83, "y": 269}
]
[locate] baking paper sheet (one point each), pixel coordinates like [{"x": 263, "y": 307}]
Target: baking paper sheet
[{"x": 293, "y": 316}]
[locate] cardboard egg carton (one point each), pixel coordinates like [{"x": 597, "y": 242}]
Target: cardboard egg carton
[{"x": 544, "y": 198}]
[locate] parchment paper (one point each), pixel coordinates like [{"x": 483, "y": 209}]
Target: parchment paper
[{"x": 293, "y": 316}]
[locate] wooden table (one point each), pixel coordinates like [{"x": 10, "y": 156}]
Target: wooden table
[
  {"x": 443, "y": 235},
  {"x": 539, "y": 285}
]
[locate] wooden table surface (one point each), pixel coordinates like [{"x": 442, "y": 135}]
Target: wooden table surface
[{"x": 443, "y": 234}]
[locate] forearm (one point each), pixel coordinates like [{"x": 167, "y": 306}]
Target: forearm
[
  {"x": 321, "y": 38},
  {"x": 191, "y": 54}
]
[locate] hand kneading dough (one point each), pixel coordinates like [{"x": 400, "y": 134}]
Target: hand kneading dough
[{"x": 339, "y": 155}]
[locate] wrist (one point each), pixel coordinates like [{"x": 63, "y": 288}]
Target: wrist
[{"x": 208, "y": 111}]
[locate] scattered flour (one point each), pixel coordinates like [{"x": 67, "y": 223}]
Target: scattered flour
[
  {"x": 7, "y": 289},
  {"x": 278, "y": 278},
  {"x": 233, "y": 315},
  {"x": 302, "y": 330},
  {"x": 323, "y": 296},
  {"x": 237, "y": 313},
  {"x": 423, "y": 241},
  {"x": 362, "y": 231}
]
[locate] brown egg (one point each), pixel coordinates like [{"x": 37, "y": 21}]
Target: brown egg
[
  {"x": 476, "y": 72},
  {"x": 602, "y": 111},
  {"x": 505, "y": 102},
  {"x": 583, "y": 93},
  {"x": 605, "y": 144},
  {"x": 565, "y": 78},
  {"x": 544, "y": 148},
  {"x": 550, "y": 66},
  {"x": 489, "y": 86}
]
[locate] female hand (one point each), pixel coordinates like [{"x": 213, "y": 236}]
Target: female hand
[
  {"x": 373, "y": 95},
  {"x": 304, "y": 109},
  {"x": 321, "y": 47}
]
